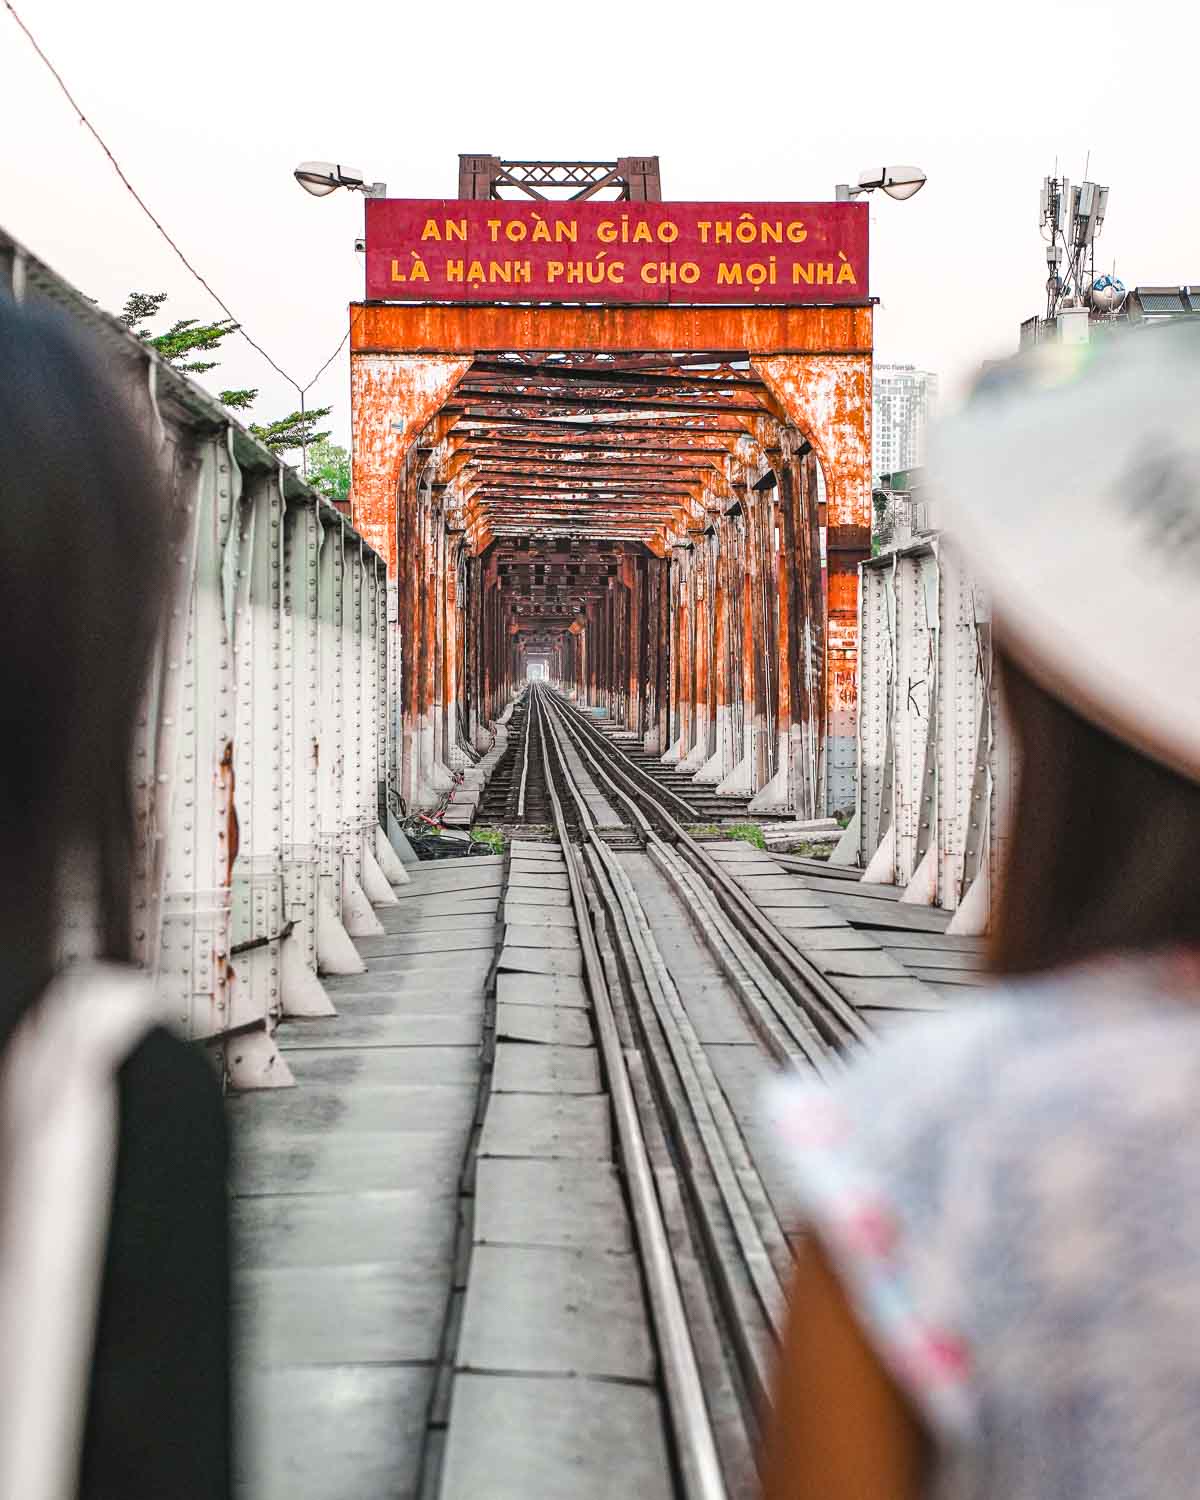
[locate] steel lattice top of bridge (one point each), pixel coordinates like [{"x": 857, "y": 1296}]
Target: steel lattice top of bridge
[{"x": 628, "y": 179}]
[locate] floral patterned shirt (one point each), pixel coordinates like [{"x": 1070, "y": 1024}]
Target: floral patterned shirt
[{"x": 1009, "y": 1196}]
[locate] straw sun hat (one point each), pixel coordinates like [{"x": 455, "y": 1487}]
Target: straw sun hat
[{"x": 1071, "y": 480}]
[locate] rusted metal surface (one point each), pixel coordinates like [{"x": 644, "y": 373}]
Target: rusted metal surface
[
  {"x": 395, "y": 328},
  {"x": 391, "y": 401},
  {"x": 828, "y": 399},
  {"x": 450, "y": 250},
  {"x": 626, "y": 497}
]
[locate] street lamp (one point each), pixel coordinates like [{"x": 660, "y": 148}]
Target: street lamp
[
  {"x": 896, "y": 182},
  {"x": 320, "y": 178}
]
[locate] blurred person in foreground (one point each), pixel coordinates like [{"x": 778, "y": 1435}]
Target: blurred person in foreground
[
  {"x": 114, "y": 1266},
  {"x": 1000, "y": 1296}
]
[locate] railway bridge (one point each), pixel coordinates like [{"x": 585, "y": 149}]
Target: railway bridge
[{"x": 508, "y": 1217}]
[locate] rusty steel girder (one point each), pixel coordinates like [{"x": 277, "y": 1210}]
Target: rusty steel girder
[{"x": 635, "y": 498}]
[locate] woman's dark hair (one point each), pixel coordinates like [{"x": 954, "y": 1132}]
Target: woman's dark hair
[
  {"x": 82, "y": 567},
  {"x": 1104, "y": 851}
]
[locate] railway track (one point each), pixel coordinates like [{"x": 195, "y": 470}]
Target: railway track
[
  {"x": 714, "y": 1252},
  {"x": 513, "y": 795}
]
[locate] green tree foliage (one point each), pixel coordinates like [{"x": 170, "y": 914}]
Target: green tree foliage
[
  {"x": 296, "y": 430},
  {"x": 329, "y": 469},
  {"x": 188, "y": 337},
  {"x": 185, "y": 338}
]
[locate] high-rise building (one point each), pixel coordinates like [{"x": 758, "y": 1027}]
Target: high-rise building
[{"x": 905, "y": 398}]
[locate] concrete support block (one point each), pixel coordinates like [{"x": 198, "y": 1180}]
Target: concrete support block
[
  {"x": 375, "y": 882},
  {"x": 720, "y": 763},
  {"x": 738, "y": 782},
  {"x": 713, "y": 771},
  {"x": 846, "y": 850},
  {"x": 302, "y": 993},
  {"x": 881, "y": 867},
  {"x": 776, "y": 796},
  {"x": 357, "y": 916},
  {"x": 336, "y": 954},
  {"x": 973, "y": 916},
  {"x": 673, "y": 756},
  {"x": 389, "y": 860},
  {"x": 696, "y": 758},
  {"x": 253, "y": 1061},
  {"x": 398, "y": 839},
  {"x": 921, "y": 890}
]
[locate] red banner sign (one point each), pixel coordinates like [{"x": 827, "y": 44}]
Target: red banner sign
[{"x": 434, "y": 250}]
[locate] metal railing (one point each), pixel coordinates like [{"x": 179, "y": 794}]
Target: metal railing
[
  {"x": 261, "y": 746},
  {"x": 936, "y": 763}
]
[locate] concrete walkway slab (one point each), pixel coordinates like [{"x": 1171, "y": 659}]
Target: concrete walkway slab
[
  {"x": 540, "y": 935},
  {"x": 397, "y": 1065},
  {"x": 514, "y": 1439},
  {"x": 528, "y": 849},
  {"x": 346, "y": 1209},
  {"x": 365, "y": 1163},
  {"x": 417, "y": 940},
  {"x": 551, "y": 880},
  {"x": 576, "y": 1127},
  {"x": 311, "y": 1229},
  {"x": 570, "y": 1204},
  {"x": 437, "y": 903},
  {"x": 555, "y": 1025},
  {"x": 347, "y": 1431},
  {"x": 519, "y": 913},
  {"x": 531, "y": 1069},
  {"x": 333, "y": 1111},
  {"x": 537, "y": 896},
  {"x": 412, "y": 1029},
  {"x": 338, "y": 1314},
  {"x": 541, "y": 989},
  {"x": 541, "y": 960},
  {"x": 555, "y": 1312},
  {"x": 432, "y": 999}
]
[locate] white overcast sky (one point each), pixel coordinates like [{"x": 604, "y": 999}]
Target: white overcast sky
[{"x": 209, "y": 107}]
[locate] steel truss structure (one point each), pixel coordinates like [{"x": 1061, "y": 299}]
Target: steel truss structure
[
  {"x": 629, "y": 179},
  {"x": 640, "y": 497},
  {"x": 262, "y": 743}
]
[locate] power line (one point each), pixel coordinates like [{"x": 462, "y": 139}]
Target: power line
[{"x": 141, "y": 203}]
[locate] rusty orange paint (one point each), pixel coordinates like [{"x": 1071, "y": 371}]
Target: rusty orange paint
[
  {"x": 392, "y": 329},
  {"x": 230, "y": 835},
  {"x": 392, "y": 398},
  {"x": 828, "y": 398},
  {"x": 815, "y": 367}
]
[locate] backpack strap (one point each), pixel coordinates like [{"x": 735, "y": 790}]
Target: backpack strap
[{"x": 58, "y": 1147}]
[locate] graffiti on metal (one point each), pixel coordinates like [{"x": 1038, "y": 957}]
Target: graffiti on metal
[{"x": 685, "y": 253}]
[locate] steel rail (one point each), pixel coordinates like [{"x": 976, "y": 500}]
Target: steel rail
[
  {"x": 833, "y": 1017},
  {"x": 695, "y": 1443},
  {"x": 781, "y": 1011},
  {"x": 525, "y": 755},
  {"x": 724, "y": 1184}
]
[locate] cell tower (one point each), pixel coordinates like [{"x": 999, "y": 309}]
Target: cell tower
[{"x": 1072, "y": 217}]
